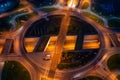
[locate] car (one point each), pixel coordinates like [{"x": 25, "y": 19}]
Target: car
[{"x": 47, "y": 57}]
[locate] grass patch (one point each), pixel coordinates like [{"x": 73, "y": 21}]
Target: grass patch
[
  {"x": 114, "y": 62},
  {"x": 76, "y": 59},
  {"x": 67, "y": 65},
  {"x": 114, "y": 23},
  {"x": 5, "y": 24},
  {"x": 22, "y": 19},
  {"x": 48, "y": 9},
  {"x": 94, "y": 18},
  {"x": 50, "y": 26},
  {"x": 91, "y": 78},
  {"x": 118, "y": 77},
  {"x": 85, "y": 5},
  {"x": 14, "y": 71}
]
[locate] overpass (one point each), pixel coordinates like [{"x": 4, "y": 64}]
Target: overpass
[
  {"x": 41, "y": 44},
  {"x": 47, "y": 43},
  {"x": 114, "y": 39},
  {"x": 1, "y": 68},
  {"x": 7, "y": 46},
  {"x": 2, "y": 42}
]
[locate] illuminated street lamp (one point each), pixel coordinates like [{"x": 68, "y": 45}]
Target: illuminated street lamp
[{"x": 72, "y": 3}]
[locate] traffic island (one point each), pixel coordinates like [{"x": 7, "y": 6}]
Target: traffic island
[
  {"x": 14, "y": 71},
  {"x": 11, "y": 22},
  {"x": 76, "y": 59},
  {"x": 113, "y": 65},
  {"x": 41, "y": 34},
  {"x": 118, "y": 77},
  {"x": 113, "y": 62},
  {"x": 114, "y": 24}
]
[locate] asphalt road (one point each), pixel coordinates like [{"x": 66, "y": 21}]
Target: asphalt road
[{"x": 59, "y": 45}]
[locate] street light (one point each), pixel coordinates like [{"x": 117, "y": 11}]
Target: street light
[{"x": 72, "y": 3}]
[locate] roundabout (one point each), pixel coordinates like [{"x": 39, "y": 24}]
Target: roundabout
[
  {"x": 59, "y": 40},
  {"x": 39, "y": 39}
]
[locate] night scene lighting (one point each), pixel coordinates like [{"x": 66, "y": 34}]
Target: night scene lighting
[{"x": 59, "y": 40}]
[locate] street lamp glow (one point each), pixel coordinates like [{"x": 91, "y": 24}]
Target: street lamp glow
[{"x": 72, "y": 3}]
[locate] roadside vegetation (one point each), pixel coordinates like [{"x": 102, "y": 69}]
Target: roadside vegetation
[
  {"x": 5, "y": 24},
  {"x": 91, "y": 78},
  {"x": 22, "y": 19},
  {"x": 85, "y": 5},
  {"x": 74, "y": 59},
  {"x": 114, "y": 62},
  {"x": 48, "y": 9},
  {"x": 118, "y": 77},
  {"x": 94, "y": 18},
  {"x": 14, "y": 71},
  {"x": 45, "y": 26},
  {"x": 114, "y": 23}
]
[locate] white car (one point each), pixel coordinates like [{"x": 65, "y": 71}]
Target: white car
[{"x": 47, "y": 57}]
